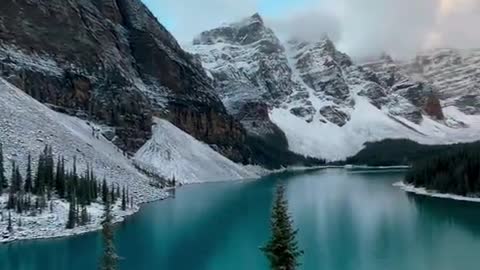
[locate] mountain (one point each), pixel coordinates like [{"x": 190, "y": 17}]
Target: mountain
[
  {"x": 112, "y": 62},
  {"x": 251, "y": 74},
  {"x": 326, "y": 105}
]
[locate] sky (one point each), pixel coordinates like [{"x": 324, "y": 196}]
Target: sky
[{"x": 361, "y": 28}]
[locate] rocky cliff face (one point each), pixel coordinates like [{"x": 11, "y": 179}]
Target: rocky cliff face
[
  {"x": 248, "y": 63},
  {"x": 111, "y": 61},
  {"x": 453, "y": 73}
]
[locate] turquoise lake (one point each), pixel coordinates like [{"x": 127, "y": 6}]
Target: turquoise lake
[{"x": 346, "y": 221}]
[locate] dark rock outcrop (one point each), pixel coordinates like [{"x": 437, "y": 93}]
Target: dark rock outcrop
[
  {"x": 335, "y": 115},
  {"x": 433, "y": 108}
]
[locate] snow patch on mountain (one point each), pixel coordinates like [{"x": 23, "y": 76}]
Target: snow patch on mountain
[
  {"x": 172, "y": 153},
  {"x": 369, "y": 124}
]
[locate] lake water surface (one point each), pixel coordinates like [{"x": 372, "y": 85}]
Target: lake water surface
[{"x": 346, "y": 221}]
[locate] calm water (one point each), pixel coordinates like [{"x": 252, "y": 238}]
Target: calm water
[{"x": 346, "y": 221}]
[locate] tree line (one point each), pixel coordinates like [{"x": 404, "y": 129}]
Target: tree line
[
  {"x": 391, "y": 152},
  {"x": 456, "y": 171}
]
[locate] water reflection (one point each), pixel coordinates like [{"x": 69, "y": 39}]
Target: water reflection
[{"x": 347, "y": 221}]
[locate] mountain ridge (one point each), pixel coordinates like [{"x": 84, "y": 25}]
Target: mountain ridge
[{"x": 324, "y": 92}]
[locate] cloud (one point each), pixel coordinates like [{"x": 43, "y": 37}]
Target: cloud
[
  {"x": 401, "y": 28},
  {"x": 362, "y": 28},
  {"x": 457, "y": 24},
  {"x": 307, "y": 25}
]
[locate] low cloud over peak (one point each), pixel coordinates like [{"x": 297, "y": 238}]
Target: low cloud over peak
[{"x": 360, "y": 28}]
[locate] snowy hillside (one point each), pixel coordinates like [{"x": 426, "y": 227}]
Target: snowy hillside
[
  {"x": 27, "y": 126},
  {"x": 328, "y": 106},
  {"x": 174, "y": 153}
]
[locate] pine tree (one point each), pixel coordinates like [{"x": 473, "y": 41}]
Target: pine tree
[
  {"x": 124, "y": 200},
  {"x": 9, "y": 226},
  {"x": 105, "y": 191},
  {"x": 117, "y": 194},
  {"x": 18, "y": 183},
  {"x": 282, "y": 249},
  {"x": 72, "y": 213},
  {"x": 112, "y": 194},
  {"x": 84, "y": 219},
  {"x": 39, "y": 187},
  {"x": 12, "y": 200},
  {"x": 13, "y": 183},
  {"x": 28, "y": 179},
  {"x": 3, "y": 179},
  {"x": 110, "y": 258}
]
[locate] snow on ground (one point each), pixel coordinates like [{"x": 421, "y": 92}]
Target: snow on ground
[
  {"x": 174, "y": 153},
  {"x": 431, "y": 193},
  {"x": 27, "y": 125},
  {"x": 52, "y": 221},
  {"x": 368, "y": 124}
]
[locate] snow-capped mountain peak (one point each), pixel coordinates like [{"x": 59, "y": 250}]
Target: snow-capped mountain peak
[
  {"x": 312, "y": 89},
  {"x": 245, "y": 32}
]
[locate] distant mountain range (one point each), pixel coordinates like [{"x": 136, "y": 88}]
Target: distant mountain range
[{"x": 328, "y": 106}]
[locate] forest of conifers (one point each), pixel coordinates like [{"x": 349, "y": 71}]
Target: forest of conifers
[{"x": 454, "y": 171}]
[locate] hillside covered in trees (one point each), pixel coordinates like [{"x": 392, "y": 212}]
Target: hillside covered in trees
[
  {"x": 455, "y": 171},
  {"x": 50, "y": 189},
  {"x": 392, "y": 152}
]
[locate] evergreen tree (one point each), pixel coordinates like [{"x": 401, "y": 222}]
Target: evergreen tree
[
  {"x": 124, "y": 200},
  {"x": 13, "y": 184},
  {"x": 112, "y": 194},
  {"x": 48, "y": 167},
  {"x": 72, "y": 213},
  {"x": 39, "y": 187},
  {"x": 105, "y": 191},
  {"x": 117, "y": 194},
  {"x": 3, "y": 179},
  {"x": 17, "y": 183},
  {"x": 9, "y": 226},
  {"x": 282, "y": 249},
  {"x": 12, "y": 200},
  {"x": 110, "y": 258},
  {"x": 60, "y": 177},
  {"x": 28, "y": 178},
  {"x": 84, "y": 219}
]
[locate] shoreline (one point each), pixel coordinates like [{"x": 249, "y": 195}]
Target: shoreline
[
  {"x": 431, "y": 193},
  {"x": 119, "y": 218},
  {"x": 123, "y": 215}
]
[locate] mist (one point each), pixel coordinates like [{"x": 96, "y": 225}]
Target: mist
[{"x": 361, "y": 28}]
